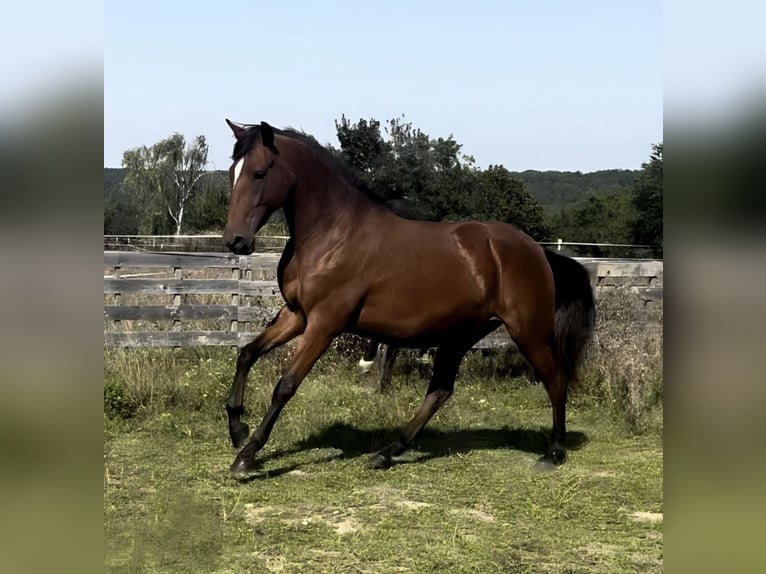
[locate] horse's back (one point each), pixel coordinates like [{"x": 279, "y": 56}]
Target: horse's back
[{"x": 440, "y": 277}]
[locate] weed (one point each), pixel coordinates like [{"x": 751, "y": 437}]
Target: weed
[{"x": 624, "y": 364}]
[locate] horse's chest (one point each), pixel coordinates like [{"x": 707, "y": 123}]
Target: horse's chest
[{"x": 289, "y": 284}]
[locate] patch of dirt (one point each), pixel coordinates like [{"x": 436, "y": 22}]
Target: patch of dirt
[
  {"x": 647, "y": 516},
  {"x": 381, "y": 492},
  {"x": 599, "y": 549},
  {"x": 642, "y": 516},
  {"x": 411, "y": 504},
  {"x": 390, "y": 497},
  {"x": 473, "y": 513},
  {"x": 260, "y": 513},
  {"x": 345, "y": 525},
  {"x": 605, "y": 474},
  {"x": 320, "y": 552},
  {"x": 297, "y": 472},
  {"x": 340, "y": 522}
]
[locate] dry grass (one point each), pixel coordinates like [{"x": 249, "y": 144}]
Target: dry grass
[{"x": 624, "y": 363}]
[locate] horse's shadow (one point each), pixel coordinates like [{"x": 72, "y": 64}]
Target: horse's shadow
[{"x": 348, "y": 441}]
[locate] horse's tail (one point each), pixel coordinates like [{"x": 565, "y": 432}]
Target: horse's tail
[{"x": 575, "y": 312}]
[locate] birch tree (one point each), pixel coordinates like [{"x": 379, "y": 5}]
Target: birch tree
[{"x": 164, "y": 177}]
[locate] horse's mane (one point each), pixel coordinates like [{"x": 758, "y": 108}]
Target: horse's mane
[{"x": 333, "y": 159}]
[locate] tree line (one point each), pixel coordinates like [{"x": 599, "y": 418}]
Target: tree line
[{"x": 165, "y": 188}]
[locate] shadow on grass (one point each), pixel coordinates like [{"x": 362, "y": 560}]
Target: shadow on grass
[{"x": 351, "y": 442}]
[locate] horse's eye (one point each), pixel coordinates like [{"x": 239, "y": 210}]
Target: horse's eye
[{"x": 260, "y": 174}]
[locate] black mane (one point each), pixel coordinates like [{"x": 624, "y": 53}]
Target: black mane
[{"x": 334, "y": 160}]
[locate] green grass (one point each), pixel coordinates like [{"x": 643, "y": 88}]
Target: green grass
[{"x": 465, "y": 500}]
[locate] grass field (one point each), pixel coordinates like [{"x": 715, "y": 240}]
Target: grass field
[{"x": 465, "y": 500}]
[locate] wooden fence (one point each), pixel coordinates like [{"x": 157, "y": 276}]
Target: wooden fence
[
  {"x": 187, "y": 243},
  {"x": 206, "y": 299}
]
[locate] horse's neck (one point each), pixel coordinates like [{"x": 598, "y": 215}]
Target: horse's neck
[{"x": 324, "y": 205}]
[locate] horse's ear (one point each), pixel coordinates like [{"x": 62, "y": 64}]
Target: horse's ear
[
  {"x": 239, "y": 131},
  {"x": 267, "y": 135}
]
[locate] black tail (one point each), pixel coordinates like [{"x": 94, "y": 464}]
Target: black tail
[{"x": 575, "y": 311}]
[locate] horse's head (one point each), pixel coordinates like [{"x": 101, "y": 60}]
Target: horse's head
[{"x": 260, "y": 184}]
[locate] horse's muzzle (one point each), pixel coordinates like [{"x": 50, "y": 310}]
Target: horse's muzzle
[{"x": 240, "y": 245}]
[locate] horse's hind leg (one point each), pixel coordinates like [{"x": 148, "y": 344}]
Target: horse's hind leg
[
  {"x": 368, "y": 358},
  {"x": 387, "y": 367},
  {"x": 446, "y": 365},
  {"x": 541, "y": 356},
  {"x": 284, "y": 327}
]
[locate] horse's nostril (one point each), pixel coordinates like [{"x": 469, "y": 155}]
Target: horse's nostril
[
  {"x": 239, "y": 244},
  {"x": 234, "y": 242}
]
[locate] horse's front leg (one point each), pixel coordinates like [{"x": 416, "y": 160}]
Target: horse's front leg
[
  {"x": 313, "y": 344},
  {"x": 284, "y": 327}
]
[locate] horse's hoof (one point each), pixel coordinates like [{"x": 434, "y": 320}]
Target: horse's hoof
[
  {"x": 559, "y": 456},
  {"x": 550, "y": 461},
  {"x": 239, "y": 435},
  {"x": 244, "y": 467},
  {"x": 365, "y": 366},
  {"x": 545, "y": 464},
  {"x": 380, "y": 461}
]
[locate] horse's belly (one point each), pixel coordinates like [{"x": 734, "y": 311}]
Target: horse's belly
[{"x": 392, "y": 316}]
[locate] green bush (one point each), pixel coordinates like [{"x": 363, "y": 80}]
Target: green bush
[{"x": 118, "y": 402}]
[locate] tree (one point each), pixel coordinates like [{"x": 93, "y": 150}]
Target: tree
[
  {"x": 647, "y": 202},
  {"x": 402, "y": 164},
  {"x": 435, "y": 176},
  {"x": 120, "y": 214},
  {"x": 598, "y": 218},
  {"x": 361, "y": 143},
  {"x": 164, "y": 177},
  {"x": 499, "y": 195},
  {"x": 207, "y": 207}
]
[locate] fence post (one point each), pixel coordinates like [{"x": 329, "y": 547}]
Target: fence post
[
  {"x": 177, "y": 299},
  {"x": 236, "y": 273},
  {"x": 117, "y": 296}
]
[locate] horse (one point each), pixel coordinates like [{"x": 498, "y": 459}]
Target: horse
[
  {"x": 372, "y": 349},
  {"x": 352, "y": 264}
]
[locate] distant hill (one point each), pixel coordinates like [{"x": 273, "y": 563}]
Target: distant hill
[
  {"x": 553, "y": 189},
  {"x": 561, "y": 189}
]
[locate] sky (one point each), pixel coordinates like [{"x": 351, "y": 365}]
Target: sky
[{"x": 556, "y": 85}]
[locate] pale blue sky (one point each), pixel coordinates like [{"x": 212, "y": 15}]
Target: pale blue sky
[{"x": 531, "y": 85}]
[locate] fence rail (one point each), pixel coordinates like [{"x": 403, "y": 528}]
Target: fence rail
[
  {"x": 275, "y": 243},
  {"x": 221, "y": 299},
  {"x": 186, "y": 243}
]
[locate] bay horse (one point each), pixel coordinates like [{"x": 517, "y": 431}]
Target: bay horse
[{"x": 353, "y": 265}]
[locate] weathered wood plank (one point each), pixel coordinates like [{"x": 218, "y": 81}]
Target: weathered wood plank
[
  {"x": 169, "y": 312},
  {"x": 495, "y": 340},
  {"x": 640, "y": 268},
  {"x": 651, "y": 293},
  {"x": 186, "y": 243},
  {"x": 189, "y": 260},
  {"x": 175, "y": 339},
  {"x": 190, "y": 286},
  {"x": 187, "y": 313},
  {"x": 257, "y": 314}
]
